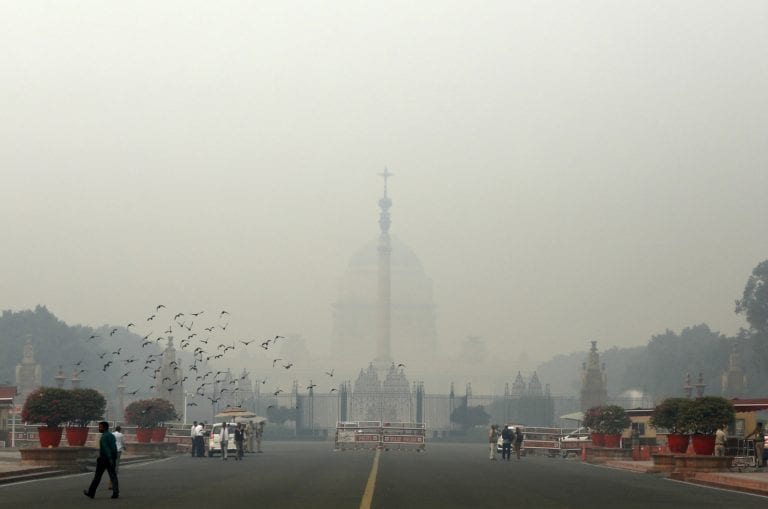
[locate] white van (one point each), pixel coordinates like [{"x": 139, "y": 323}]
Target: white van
[{"x": 214, "y": 439}]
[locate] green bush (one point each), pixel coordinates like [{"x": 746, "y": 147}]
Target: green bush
[
  {"x": 671, "y": 415},
  {"x": 86, "y": 405},
  {"x": 706, "y": 414},
  {"x": 148, "y": 413},
  {"x": 47, "y": 405}
]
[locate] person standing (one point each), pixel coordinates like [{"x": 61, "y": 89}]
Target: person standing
[
  {"x": 199, "y": 445},
  {"x": 224, "y": 440},
  {"x": 258, "y": 432},
  {"x": 193, "y": 438},
  {"x": 106, "y": 461},
  {"x": 518, "y": 442},
  {"x": 720, "y": 440},
  {"x": 493, "y": 437},
  {"x": 249, "y": 437},
  {"x": 759, "y": 434},
  {"x": 120, "y": 444},
  {"x": 506, "y": 442},
  {"x": 239, "y": 438}
]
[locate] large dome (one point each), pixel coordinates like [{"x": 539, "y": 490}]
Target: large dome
[{"x": 402, "y": 256}]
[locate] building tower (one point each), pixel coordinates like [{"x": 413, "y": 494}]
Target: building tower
[
  {"x": 384, "y": 322},
  {"x": 734, "y": 380},
  {"x": 594, "y": 381},
  {"x": 29, "y": 374},
  {"x": 169, "y": 379}
]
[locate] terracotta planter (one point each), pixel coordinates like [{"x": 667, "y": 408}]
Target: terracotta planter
[
  {"x": 76, "y": 435},
  {"x": 49, "y": 436},
  {"x": 678, "y": 443},
  {"x": 704, "y": 445},
  {"x": 143, "y": 435},
  {"x": 612, "y": 440},
  {"x": 598, "y": 439},
  {"x": 158, "y": 434}
]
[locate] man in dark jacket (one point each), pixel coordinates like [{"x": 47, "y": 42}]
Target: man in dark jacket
[{"x": 106, "y": 461}]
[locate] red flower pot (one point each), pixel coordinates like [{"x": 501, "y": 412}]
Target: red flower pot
[
  {"x": 704, "y": 445},
  {"x": 158, "y": 434},
  {"x": 76, "y": 435},
  {"x": 678, "y": 443},
  {"x": 612, "y": 440},
  {"x": 598, "y": 439},
  {"x": 143, "y": 435},
  {"x": 49, "y": 436}
]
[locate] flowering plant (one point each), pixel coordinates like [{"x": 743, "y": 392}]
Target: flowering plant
[
  {"x": 86, "y": 405},
  {"x": 48, "y": 405},
  {"x": 147, "y": 413}
]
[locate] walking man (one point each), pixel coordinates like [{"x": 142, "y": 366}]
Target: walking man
[
  {"x": 493, "y": 437},
  {"x": 106, "y": 461},
  {"x": 199, "y": 446}
]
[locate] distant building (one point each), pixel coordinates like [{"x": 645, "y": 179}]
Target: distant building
[
  {"x": 594, "y": 381},
  {"x": 29, "y": 374},
  {"x": 734, "y": 379},
  {"x": 168, "y": 381}
]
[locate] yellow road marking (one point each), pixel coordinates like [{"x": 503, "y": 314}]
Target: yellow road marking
[{"x": 370, "y": 486}]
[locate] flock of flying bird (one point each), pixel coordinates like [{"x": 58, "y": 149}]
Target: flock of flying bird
[{"x": 199, "y": 341}]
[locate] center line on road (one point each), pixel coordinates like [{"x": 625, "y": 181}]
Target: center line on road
[{"x": 370, "y": 486}]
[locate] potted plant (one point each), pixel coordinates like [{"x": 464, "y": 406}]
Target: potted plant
[
  {"x": 704, "y": 416},
  {"x": 147, "y": 414},
  {"x": 49, "y": 406},
  {"x": 670, "y": 414},
  {"x": 593, "y": 420},
  {"x": 86, "y": 405},
  {"x": 614, "y": 421}
]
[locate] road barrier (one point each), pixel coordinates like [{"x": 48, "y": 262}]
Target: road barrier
[{"x": 380, "y": 435}]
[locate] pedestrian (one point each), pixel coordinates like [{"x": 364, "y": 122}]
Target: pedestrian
[
  {"x": 506, "y": 442},
  {"x": 239, "y": 438},
  {"x": 258, "y": 434},
  {"x": 493, "y": 437},
  {"x": 759, "y": 434},
  {"x": 224, "y": 440},
  {"x": 120, "y": 444},
  {"x": 106, "y": 461},
  {"x": 518, "y": 443},
  {"x": 249, "y": 437},
  {"x": 193, "y": 438},
  {"x": 199, "y": 445},
  {"x": 720, "y": 440}
]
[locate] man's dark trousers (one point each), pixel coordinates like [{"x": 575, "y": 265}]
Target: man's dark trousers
[{"x": 101, "y": 465}]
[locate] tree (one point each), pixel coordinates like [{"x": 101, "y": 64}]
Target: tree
[
  {"x": 754, "y": 302},
  {"x": 469, "y": 417}
]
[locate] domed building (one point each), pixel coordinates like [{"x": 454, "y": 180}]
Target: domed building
[{"x": 413, "y": 329}]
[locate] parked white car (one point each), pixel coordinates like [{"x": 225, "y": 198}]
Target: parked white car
[{"x": 214, "y": 439}]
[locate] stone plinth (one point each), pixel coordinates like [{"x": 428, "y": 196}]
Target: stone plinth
[
  {"x": 153, "y": 449},
  {"x": 603, "y": 454},
  {"x": 663, "y": 463},
  {"x": 69, "y": 458},
  {"x": 691, "y": 463}
]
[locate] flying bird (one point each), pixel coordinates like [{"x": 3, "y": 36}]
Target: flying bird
[
  {"x": 246, "y": 343},
  {"x": 93, "y": 336},
  {"x": 333, "y": 390},
  {"x": 288, "y": 366},
  {"x": 159, "y": 307},
  {"x": 178, "y": 315},
  {"x": 401, "y": 365},
  {"x": 130, "y": 325},
  {"x": 223, "y": 312},
  {"x": 275, "y": 362},
  {"x": 108, "y": 364},
  {"x": 149, "y": 319},
  {"x": 198, "y": 313},
  {"x": 277, "y": 392},
  {"x": 112, "y": 332},
  {"x": 311, "y": 386},
  {"x": 330, "y": 373}
]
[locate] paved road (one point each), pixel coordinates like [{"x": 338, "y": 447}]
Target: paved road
[{"x": 311, "y": 475}]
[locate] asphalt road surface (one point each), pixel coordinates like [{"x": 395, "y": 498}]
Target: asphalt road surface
[{"x": 312, "y": 475}]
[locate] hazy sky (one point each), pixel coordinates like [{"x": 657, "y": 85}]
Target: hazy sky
[{"x": 566, "y": 171}]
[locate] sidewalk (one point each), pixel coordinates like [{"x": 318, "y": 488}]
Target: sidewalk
[
  {"x": 752, "y": 482},
  {"x": 11, "y": 469}
]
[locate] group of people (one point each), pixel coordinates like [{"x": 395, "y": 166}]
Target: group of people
[
  {"x": 243, "y": 434},
  {"x": 721, "y": 440},
  {"x": 111, "y": 447},
  {"x": 510, "y": 438}
]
